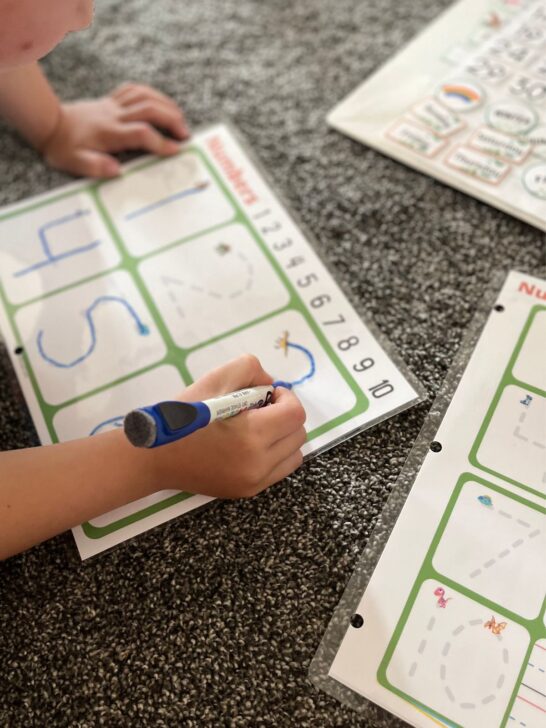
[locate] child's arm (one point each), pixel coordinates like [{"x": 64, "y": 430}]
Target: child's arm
[
  {"x": 78, "y": 137},
  {"x": 46, "y": 490}
]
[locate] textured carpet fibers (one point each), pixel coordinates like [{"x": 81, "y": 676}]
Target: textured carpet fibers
[{"x": 212, "y": 620}]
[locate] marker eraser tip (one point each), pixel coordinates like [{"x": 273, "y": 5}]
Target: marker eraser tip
[{"x": 140, "y": 428}]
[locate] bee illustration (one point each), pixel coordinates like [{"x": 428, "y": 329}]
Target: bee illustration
[
  {"x": 282, "y": 342},
  {"x": 495, "y": 627},
  {"x": 223, "y": 248}
]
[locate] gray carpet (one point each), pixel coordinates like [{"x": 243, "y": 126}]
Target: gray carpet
[{"x": 212, "y": 620}]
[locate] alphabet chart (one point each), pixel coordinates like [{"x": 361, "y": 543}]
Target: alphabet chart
[
  {"x": 466, "y": 103},
  {"x": 118, "y": 294},
  {"x": 451, "y": 627}
]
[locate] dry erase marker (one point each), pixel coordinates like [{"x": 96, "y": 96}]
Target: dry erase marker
[{"x": 167, "y": 422}]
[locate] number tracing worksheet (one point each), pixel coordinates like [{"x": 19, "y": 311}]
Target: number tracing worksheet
[
  {"x": 118, "y": 294},
  {"x": 451, "y": 628}
]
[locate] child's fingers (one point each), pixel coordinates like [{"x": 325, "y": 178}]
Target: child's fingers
[
  {"x": 159, "y": 114},
  {"x": 284, "y": 416},
  {"x": 133, "y": 93},
  {"x": 90, "y": 163},
  {"x": 244, "y": 371},
  {"x": 286, "y": 446},
  {"x": 139, "y": 135},
  {"x": 284, "y": 469}
]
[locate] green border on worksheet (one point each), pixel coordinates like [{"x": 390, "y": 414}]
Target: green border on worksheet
[
  {"x": 508, "y": 379},
  {"x": 535, "y": 627},
  {"x": 175, "y": 356}
]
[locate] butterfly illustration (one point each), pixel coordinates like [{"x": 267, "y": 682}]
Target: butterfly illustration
[{"x": 495, "y": 627}]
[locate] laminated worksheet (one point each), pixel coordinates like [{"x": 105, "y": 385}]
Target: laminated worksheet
[
  {"x": 117, "y": 294},
  {"x": 465, "y": 102},
  {"x": 451, "y": 627}
]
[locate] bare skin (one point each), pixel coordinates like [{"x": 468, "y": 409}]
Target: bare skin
[
  {"x": 46, "y": 490},
  {"x": 82, "y": 136}
]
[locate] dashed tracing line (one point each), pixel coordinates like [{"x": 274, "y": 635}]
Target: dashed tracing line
[
  {"x": 505, "y": 552},
  {"x": 175, "y": 303},
  {"x": 520, "y": 436},
  {"x": 422, "y": 646},
  {"x": 443, "y": 669},
  {"x": 244, "y": 287}
]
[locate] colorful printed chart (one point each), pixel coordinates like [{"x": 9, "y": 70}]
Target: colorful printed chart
[
  {"x": 466, "y": 102},
  {"x": 118, "y": 294},
  {"x": 451, "y": 628}
]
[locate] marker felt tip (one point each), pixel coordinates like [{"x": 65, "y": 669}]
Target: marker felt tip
[{"x": 167, "y": 422}]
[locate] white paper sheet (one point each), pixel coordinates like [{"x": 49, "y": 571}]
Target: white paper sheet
[
  {"x": 466, "y": 103},
  {"x": 122, "y": 292},
  {"x": 454, "y": 616}
]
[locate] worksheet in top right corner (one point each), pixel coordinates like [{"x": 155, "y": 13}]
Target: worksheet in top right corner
[
  {"x": 466, "y": 103},
  {"x": 451, "y": 628}
]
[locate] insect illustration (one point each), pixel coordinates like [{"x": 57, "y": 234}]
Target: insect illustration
[
  {"x": 223, "y": 248},
  {"x": 485, "y": 500},
  {"x": 495, "y": 627},
  {"x": 442, "y": 601},
  {"x": 284, "y": 343}
]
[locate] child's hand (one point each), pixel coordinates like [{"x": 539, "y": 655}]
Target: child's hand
[
  {"x": 240, "y": 456},
  {"x": 86, "y": 131},
  {"x": 228, "y": 459}
]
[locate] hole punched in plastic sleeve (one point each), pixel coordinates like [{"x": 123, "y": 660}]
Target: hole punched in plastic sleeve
[{"x": 357, "y": 620}]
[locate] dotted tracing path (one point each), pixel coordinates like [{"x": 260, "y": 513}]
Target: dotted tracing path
[
  {"x": 461, "y": 660},
  {"x": 518, "y": 434},
  {"x": 443, "y": 668},
  {"x": 514, "y": 545},
  {"x": 244, "y": 282}
]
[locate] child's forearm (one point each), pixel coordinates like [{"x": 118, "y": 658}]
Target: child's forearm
[
  {"x": 29, "y": 104},
  {"x": 46, "y": 490}
]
